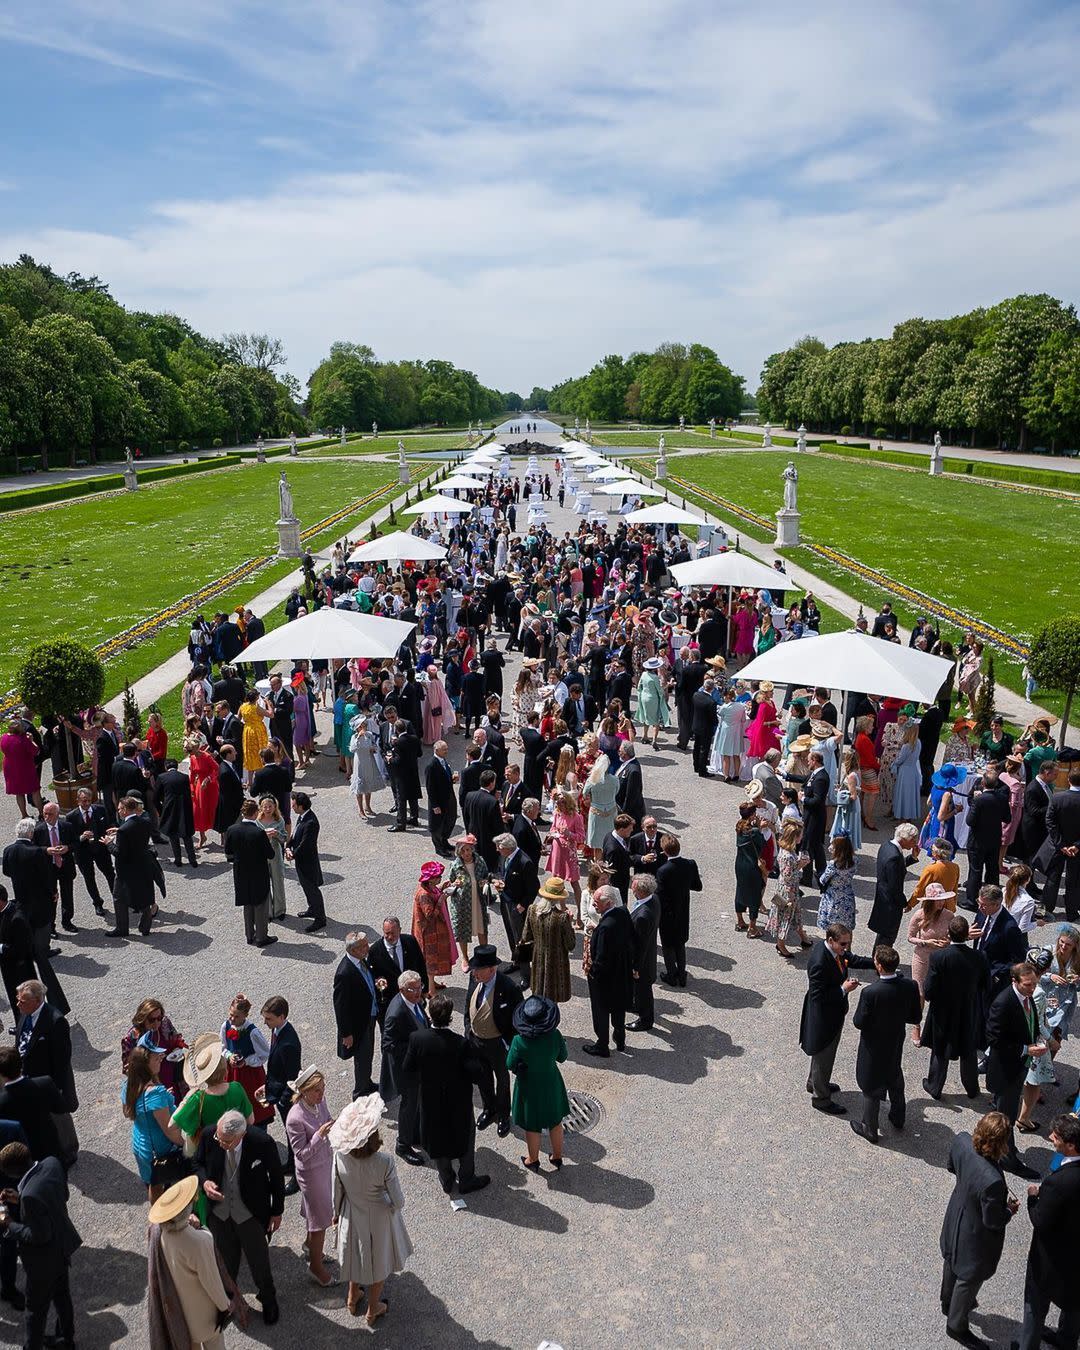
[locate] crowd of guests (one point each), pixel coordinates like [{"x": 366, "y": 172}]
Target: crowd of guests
[{"x": 549, "y": 873}]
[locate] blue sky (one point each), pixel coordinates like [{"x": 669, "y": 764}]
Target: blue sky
[{"x": 521, "y": 189}]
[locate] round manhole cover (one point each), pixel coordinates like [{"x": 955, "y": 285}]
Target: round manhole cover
[{"x": 585, "y": 1113}]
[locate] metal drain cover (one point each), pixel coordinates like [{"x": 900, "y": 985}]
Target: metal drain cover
[{"x": 585, "y": 1112}]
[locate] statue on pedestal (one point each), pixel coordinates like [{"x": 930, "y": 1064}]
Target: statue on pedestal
[
  {"x": 577, "y": 425},
  {"x": 403, "y": 468},
  {"x": 374, "y": 430},
  {"x": 128, "y": 459},
  {"x": 341, "y": 438},
  {"x": 712, "y": 428},
  {"x": 292, "y": 442},
  {"x": 766, "y": 440},
  {"x": 661, "y": 459},
  {"x": 936, "y": 456},
  {"x": 791, "y": 488},
  {"x": 682, "y": 422},
  {"x": 285, "y": 501},
  {"x": 800, "y": 444}
]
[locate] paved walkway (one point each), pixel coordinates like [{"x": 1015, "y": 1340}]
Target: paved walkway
[{"x": 708, "y": 1185}]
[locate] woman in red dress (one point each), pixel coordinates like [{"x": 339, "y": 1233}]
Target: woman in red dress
[
  {"x": 762, "y": 733},
  {"x": 157, "y": 741},
  {"x": 203, "y": 773}
]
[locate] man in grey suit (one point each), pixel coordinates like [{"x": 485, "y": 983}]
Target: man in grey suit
[
  {"x": 973, "y": 1233},
  {"x": 404, "y": 1017}
]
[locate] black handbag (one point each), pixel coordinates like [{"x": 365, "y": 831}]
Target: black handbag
[{"x": 172, "y": 1168}]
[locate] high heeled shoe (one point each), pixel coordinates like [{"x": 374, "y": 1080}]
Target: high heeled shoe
[
  {"x": 530, "y": 1166},
  {"x": 555, "y": 1162}
]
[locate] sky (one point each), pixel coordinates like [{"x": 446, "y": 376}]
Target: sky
[{"x": 524, "y": 188}]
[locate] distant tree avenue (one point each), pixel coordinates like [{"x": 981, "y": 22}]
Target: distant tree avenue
[{"x": 672, "y": 382}]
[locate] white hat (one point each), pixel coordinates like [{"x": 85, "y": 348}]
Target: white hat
[{"x": 357, "y": 1123}]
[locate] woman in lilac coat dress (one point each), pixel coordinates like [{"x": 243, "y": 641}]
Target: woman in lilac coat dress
[{"x": 307, "y": 1126}]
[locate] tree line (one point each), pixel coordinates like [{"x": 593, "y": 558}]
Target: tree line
[
  {"x": 351, "y": 388},
  {"x": 673, "y": 381},
  {"x": 1009, "y": 375},
  {"x": 80, "y": 375}
]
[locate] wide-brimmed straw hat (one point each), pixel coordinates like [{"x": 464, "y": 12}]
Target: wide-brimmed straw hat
[
  {"x": 822, "y": 730},
  {"x": 653, "y": 663},
  {"x": 717, "y": 661},
  {"x": 175, "y": 1200},
  {"x": 554, "y": 888},
  {"x": 801, "y": 744},
  {"x": 936, "y": 891},
  {"x": 754, "y": 789},
  {"x": 202, "y": 1059},
  {"x": 536, "y": 1016}
]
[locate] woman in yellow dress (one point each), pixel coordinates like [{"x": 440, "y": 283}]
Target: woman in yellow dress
[{"x": 252, "y": 712}]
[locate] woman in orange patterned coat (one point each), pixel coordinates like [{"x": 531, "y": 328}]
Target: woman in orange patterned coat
[{"x": 431, "y": 926}]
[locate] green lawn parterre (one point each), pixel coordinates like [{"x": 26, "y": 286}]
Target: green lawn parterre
[
  {"x": 991, "y": 554},
  {"x": 91, "y": 568},
  {"x": 388, "y": 444}
]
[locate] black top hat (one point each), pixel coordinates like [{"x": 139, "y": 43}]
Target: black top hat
[
  {"x": 536, "y": 1016},
  {"x": 482, "y": 956}
]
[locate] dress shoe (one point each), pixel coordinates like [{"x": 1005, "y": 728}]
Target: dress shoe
[
  {"x": 270, "y": 1312},
  {"x": 833, "y": 1087},
  {"x": 265, "y": 942},
  {"x": 682, "y": 980},
  {"x": 871, "y": 1136},
  {"x": 639, "y": 1025},
  {"x": 68, "y": 926},
  {"x": 306, "y": 914},
  {"x": 477, "y": 1184},
  {"x": 410, "y": 1155},
  {"x": 99, "y": 906},
  {"x": 672, "y": 980},
  {"x": 55, "y": 951},
  {"x": 414, "y": 821},
  {"x": 926, "y": 1088},
  {"x": 620, "y": 1046},
  {"x": 15, "y": 1297},
  {"x": 503, "y": 1128},
  {"x": 970, "y": 1339},
  {"x": 830, "y": 1108},
  {"x": 115, "y": 932},
  {"x": 484, "y": 1119},
  {"x": 292, "y": 1186},
  {"x": 316, "y": 926},
  {"x": 595, "y": 1048},
  {"x": 395, "y": 829}
]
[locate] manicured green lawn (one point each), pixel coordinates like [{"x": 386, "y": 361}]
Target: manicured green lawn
[
  {"x": 91, "y": 568},
  {"x": 673, "y": 440},
  {"x": 994, "y": 554},
  {"x": 387, "y": 445}
]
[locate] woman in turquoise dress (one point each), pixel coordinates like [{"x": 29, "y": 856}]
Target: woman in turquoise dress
[
  {"x": 540, "y": 1101},
  {"x": 730, "y": 739},
  {"x": 652, "y": 709},
  {"x": 848, "y": 818},
  {"x": 599, "y": 790}
]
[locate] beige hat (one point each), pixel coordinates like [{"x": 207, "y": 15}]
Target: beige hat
[
  {"x": 754, "y": 789},
  {"x": 717, "y": 661},
  {"x": 175, "y": 1200},
  {"x": 305, "y": 1078},
  {"x": 202, "y": 1059},
  {"x": 554, "y": 888},
  {"x": 822, "y": 730},
  {"x": 766, "y": 686},
  {"x": 357, "y": 1123},
  {"x": 801, "y": 744}
]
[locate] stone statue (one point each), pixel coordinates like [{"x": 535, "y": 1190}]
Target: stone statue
[
  {"x": 663, "y": 446},
  {"x": 285, "y": 502},
  {"x": 936, "y": 456},
  {"x": 791, "y": 488},
  {"x": 661, "y": 459},
  {"x": 712, "y": 428},
  {"x": 292, "y": 442},
  {"x": 128, "y": 459},
  {"x": 766, "y": 440},
  {"x": 400, "y": 453},
  {"x": 682, "y": 422},
  {"x": 342, "y": 436},
  {"x": 800, "y": 444},
  {"x": 577, "y": 425},
  {"x": 374, "y": 430}
]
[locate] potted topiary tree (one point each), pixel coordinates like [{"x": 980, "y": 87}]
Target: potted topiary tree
[
  {"x": 1055, "y": 662},
  {"x": 59, "y": 678}
]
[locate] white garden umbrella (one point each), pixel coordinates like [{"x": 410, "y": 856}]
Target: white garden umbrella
[
  {"x": 438, "y": 505},
  {"x": 329, "y": 633},
  {"x": 849, "y": 661},
  {"x": 729, "y": 569},
  {"x": 462, "y": 482},
  {"x": 663, "y": 513},
  {"x": 609, "y": 471},
  {"x": 628, "y": 487},
  {"x": 397, "y": 547}
]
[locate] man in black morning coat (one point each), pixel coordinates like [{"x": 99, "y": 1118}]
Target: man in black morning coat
[
  {"x": 1012, "y": 1033},
  {"x": 824, "y": 1010},
  {"x": 1054, "y": 1208},
  {"x": 956, "y": 991},
  {"x": 490, "y": 1001},
  {"x": 676, "y": 878},
  {"x": 885, "y": 1010},
  {"x": 176, "y": 811},
  {"x": 973, "y": 1232},
  {"x": 611, "y": 972},
  {"x": 248, "y": 848}
]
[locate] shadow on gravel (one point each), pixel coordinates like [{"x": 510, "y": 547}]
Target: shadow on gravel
[
  {"x": 102, "y": 1277},
  {"x": 84, "y": 1056},
  {"x": 102, "y": 1178}
]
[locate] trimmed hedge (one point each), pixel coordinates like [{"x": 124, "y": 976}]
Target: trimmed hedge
[
  {"x": 975, "y": 468},
  {"x": 111, "y": 482}
]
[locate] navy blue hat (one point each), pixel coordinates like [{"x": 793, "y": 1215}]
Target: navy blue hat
[{"x": 536, "y": 1016}]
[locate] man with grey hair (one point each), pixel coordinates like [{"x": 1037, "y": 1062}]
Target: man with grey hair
[
  {"x": 43, "y": 1040},
  {"x": 31, "y": 871},
  {"x": 517, "y": 882},
  {"x": 356, "y": 1011},
  {"x": 241, "y": 1175},
  {"x": 765, "y": 773},
  {"x": 611, "y": 972},
  {"x": 645, "y": 916},
  {"x": 404, "y": 1017},
  {"x": 894, "y": 857},
  {"x": 394, "y": 952}
]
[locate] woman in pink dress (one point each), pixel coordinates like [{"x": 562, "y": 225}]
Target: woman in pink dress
[
  {"x": 1013, "y": 778},
  {"x": 762, "y": 733},
  {"x": 566, "y": 838},
  {"x": 307, "y": 1125},
  {"x": 743, "y": 625},
  {"x": 438, "y": 713},
  {"x": 927, "y": 932},
  {"x": 22, "y": 777}
]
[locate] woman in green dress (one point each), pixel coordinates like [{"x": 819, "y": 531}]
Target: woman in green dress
[
  {"x": 206, "y": 1072},
  {"x": 540, "y": 1100},
  {"x": 652, "y": 709}
]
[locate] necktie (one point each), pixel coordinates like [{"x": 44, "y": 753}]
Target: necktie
[
  {"x": 398, "y": 956},
  {"x": 480, "y": 996},
  {"x": 86, "y": 817},
  {"x": 54, "y": 840},
  {"x": 419, "y": 1013}
]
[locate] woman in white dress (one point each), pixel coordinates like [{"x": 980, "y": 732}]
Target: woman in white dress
[
  {"x": 372, "y": 1241},
  {"x": 367, "y": 775}
]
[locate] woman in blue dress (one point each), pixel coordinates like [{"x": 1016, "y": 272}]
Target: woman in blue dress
[
  {"x": 848, "y": 818},
  {"x": 837, "y": 904},
  {"x": 942, "y": 810},
  {"x": 907, "y": 776},
  {"x": 730, "y": 739},
  {"x": 826, "y": 740}
]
